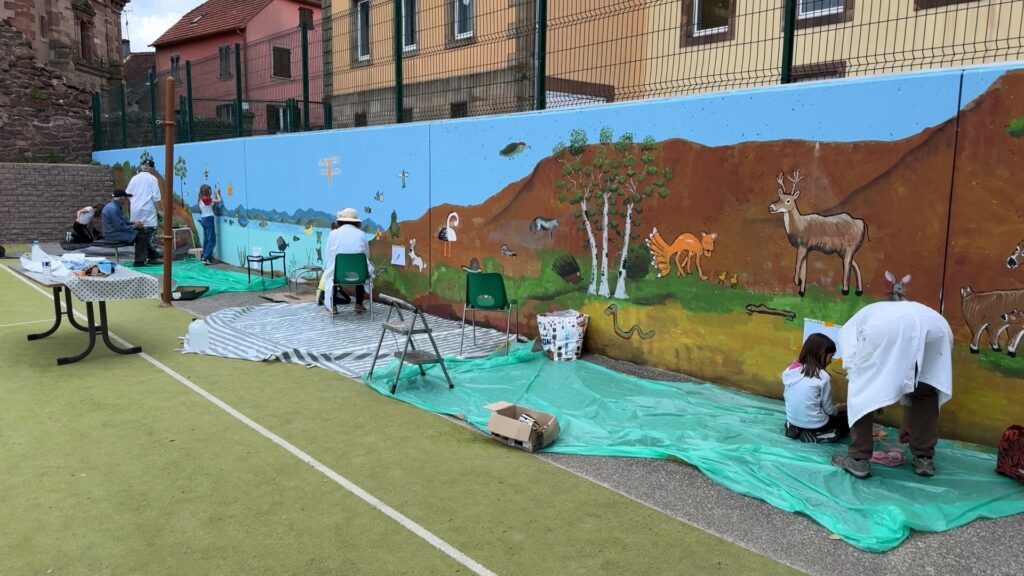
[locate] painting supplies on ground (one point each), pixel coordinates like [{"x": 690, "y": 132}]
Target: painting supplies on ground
[
  {"x": 521, "y": 427},
  {"x": 561, "y": 334}
]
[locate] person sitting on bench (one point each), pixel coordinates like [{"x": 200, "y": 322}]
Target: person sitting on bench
[{"x": 118, "y": 229}]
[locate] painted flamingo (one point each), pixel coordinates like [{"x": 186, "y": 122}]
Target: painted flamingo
[{"x": 447, "y": 232}]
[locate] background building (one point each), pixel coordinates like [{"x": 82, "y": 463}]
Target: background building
[{"x": 79, "y": 38}]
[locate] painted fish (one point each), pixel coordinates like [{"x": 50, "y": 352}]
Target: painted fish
[
  {"x": 231, "y": 222},
  {"x": 263, "y": 223},
  {"x": 295, "y": 238},
  {"x": 243, "y": 221},
  {"x": 281, "y": 244}
]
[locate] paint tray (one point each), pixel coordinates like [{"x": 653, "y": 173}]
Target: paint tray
[{"x": 189, "y": 292}]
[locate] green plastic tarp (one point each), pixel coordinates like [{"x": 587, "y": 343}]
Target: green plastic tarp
[
  {"x": 195, "y": 273},
  {"x": 734, "y": 437}
]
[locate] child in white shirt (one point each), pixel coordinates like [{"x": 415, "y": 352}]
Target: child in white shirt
[{"x": 810, "y": 414}]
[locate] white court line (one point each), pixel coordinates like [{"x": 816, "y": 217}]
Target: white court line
[
  {"x": 24, "y": 323},
  {"x": 345, "y": 483}
]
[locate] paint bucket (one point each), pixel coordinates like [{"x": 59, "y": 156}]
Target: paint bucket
[{"x": 561, "y": 334}]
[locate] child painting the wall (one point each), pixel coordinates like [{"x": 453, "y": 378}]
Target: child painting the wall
[
  {"x": 207, "y": 198},
  {"x": 810, "y": 414}
]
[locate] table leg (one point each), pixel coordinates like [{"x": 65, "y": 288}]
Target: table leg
[
  {"x": 56, "y": 316},
  {"x": 106, "y": 334},
  {"x": 71, "y": 313},
  {"x": 92, "y": 339}
]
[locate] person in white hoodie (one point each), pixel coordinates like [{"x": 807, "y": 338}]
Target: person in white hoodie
[
  {"x": 810, "y": 414},
  {"x": 896, "y": 352}
]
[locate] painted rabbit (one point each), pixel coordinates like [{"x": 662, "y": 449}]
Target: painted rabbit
[{"x": 896, "y": 291}]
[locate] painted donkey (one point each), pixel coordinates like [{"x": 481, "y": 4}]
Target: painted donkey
[{"x": 839, "y": 234}]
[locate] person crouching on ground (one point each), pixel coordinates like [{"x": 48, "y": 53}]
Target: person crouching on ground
[
  {"x": 208, "y": 220},
  {"x": 116, "y": 227},
  {"x": 82, "y": 229},
  {"x": 896, "y": 352},
  {"x": 348, "y": 238},
  {"x": 810, "y": 414}
]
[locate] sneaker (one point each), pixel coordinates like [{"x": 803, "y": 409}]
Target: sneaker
[
  {"x": 359, "y": 308},
  {"x": 857, "y": 468},
  {"x": 923, "y": 466},
  {"x": 206, "y": 262},
  {"x": 792, "y": 431},
  {"x": 154, "y": 262}
]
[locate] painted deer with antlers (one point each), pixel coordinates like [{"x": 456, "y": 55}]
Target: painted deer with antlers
[{"x": 839, "y": 234}]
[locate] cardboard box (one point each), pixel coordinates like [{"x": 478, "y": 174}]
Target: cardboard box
[{"x": 505, "y": 426}]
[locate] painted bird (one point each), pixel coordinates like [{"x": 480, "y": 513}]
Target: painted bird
[
  {"x": 368, "y": 210},
  {"x": 379, "y": 197},
  {"x": 404, "y": 175},
  {"x": 721, "y": 277},
  {"x": 513, "y": 149},
  {"x": 734, "y": 281},
  {"x": 506, "y": 251}
]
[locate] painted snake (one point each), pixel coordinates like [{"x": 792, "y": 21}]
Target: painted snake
[{"x": 613, "y": 311}]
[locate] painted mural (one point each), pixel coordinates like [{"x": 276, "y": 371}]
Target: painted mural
[{"x": 698, "y": 233}]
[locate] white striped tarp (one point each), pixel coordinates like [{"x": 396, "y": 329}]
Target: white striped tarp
[{"x": 306, "y": 334}]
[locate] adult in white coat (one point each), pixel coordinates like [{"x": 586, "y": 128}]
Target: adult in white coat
[
  {"x": 347, "y": 238},
  {"x": 896, "y": 352},
  {"x": 144, "y": 190}
]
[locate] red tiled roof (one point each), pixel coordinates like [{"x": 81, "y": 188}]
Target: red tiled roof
[{"x": 215, "y": 16}]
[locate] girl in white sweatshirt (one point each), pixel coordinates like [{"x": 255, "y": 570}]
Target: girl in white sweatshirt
[{"x": 810, "y": 414}]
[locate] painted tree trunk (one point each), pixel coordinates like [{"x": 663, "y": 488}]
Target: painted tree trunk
[
  {"x": 620, "y": 283},
  {"x": 592, "y": 289},
  {"x": 602, "y": 289}
]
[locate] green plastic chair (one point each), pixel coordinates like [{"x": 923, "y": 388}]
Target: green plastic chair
[
  {"x": 486, "y": 291},
  {"x": 353, "y": 270}
]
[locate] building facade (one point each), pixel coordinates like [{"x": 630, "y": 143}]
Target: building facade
[
  {"x": 79, "y": 38},
  {"x": 267, "y": 33},
  {"x": 469, "y": 57}
]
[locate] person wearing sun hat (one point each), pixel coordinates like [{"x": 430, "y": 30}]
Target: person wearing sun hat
[{"x": 348, "y": 238}]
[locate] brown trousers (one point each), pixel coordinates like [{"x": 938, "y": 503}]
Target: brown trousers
[{"x": 920, "y": 419}]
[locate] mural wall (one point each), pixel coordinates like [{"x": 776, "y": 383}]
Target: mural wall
[{"x": 700, "y": 234}]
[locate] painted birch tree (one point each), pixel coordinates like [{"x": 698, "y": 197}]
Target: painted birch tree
[{"x": 620, "y": 174}]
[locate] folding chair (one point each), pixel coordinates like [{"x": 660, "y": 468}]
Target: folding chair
[
  {"x": 352, "y": 270},
  {"x": 486, "y": 291},
  {"x": 409, "y": 328}
]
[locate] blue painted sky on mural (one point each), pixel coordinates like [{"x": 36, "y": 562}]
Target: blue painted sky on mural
[{"x": 462, "y": 164}]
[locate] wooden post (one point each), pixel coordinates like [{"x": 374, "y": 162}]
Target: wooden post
[{"x": 168, "y": 199}]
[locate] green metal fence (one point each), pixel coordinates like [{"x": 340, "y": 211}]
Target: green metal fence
[{"x": 371, "y": 62}]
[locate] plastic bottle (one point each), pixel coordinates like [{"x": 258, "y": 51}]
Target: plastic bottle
[
  {"x": 47, "y": 270},
  {"x": 37, "y": 252}
]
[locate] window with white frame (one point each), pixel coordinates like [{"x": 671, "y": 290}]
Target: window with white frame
[
  {"x": 465, "y": 12},
  {"x": 817, "y": 8},
  {"x": 409, "y": 31},
  {"x": 710, "y": 17},
  {"x": 362, "y": 15}
]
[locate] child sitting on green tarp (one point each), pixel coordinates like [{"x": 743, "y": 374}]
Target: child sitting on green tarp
[{"x": 810, "y": 414}]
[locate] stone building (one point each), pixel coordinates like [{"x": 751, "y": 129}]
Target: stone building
[{"x": 81, "y": 39}]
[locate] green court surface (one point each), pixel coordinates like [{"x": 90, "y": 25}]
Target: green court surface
[{"x": 114, "y": 466}]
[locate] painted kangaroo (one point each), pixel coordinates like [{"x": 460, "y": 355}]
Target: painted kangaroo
[
  {"x": 984, "y": 311},
  {"x": 686, "y": 244},
  {"x": 839, "y": 234}
]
